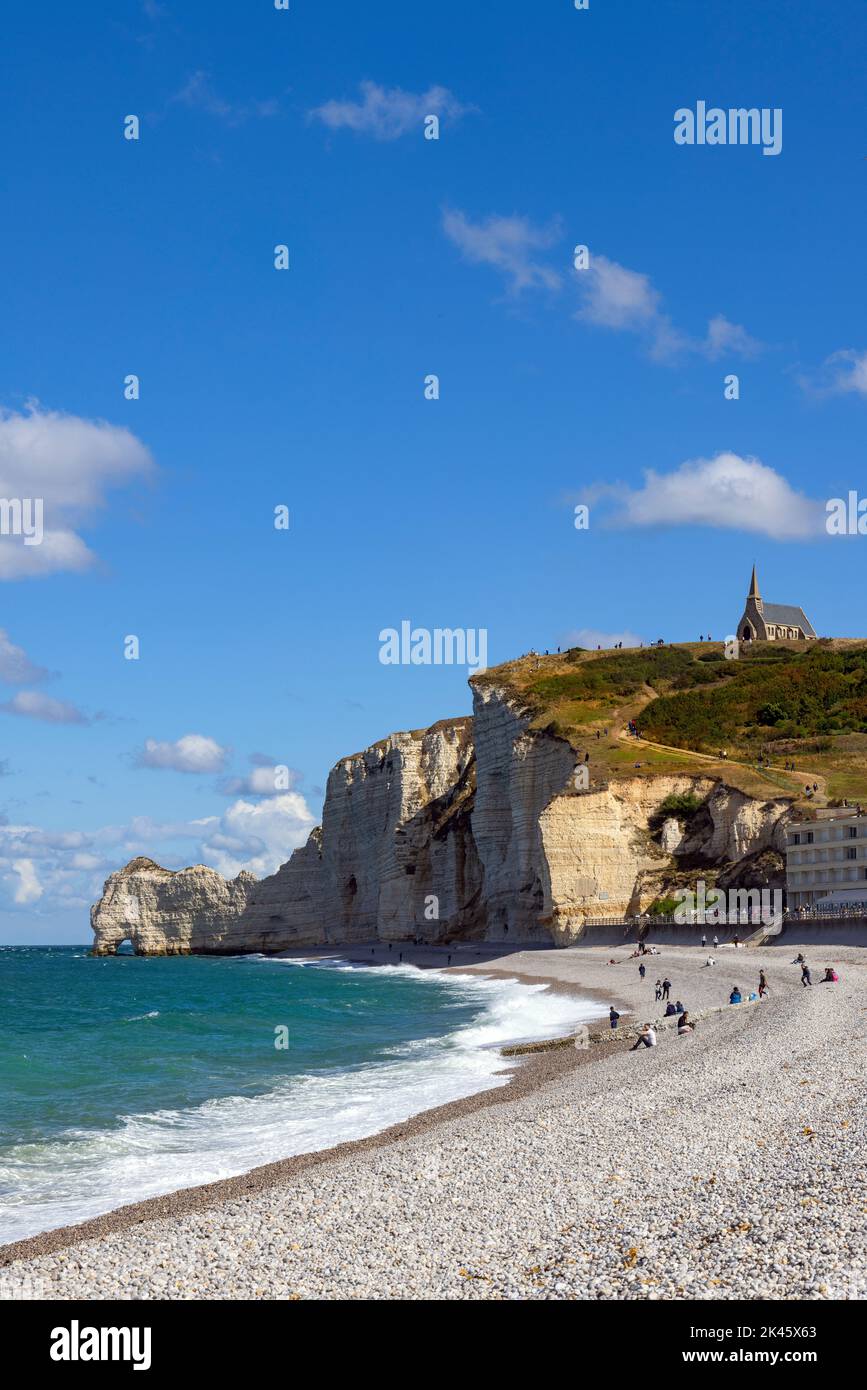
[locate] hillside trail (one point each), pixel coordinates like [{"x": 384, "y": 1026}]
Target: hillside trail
[{"x": 620, "y": 720}]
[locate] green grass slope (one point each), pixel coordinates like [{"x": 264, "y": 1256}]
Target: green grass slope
[{"x": 804, "y": 703}]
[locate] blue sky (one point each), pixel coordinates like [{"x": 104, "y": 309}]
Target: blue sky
[{"x": 305, "y": 387}]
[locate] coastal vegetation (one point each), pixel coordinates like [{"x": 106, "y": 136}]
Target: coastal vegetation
[{"x": 776, "y": 720}]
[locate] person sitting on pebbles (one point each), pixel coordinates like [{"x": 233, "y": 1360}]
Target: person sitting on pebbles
[
  {"x": 685, "y": 1028},
  {"x": 830, "y": 976},
  {"x": 735, "y": 996},
  {"x": 646, "y": 1038}
]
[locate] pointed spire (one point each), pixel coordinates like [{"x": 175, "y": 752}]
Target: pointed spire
[{"x": 754, "y": 586}]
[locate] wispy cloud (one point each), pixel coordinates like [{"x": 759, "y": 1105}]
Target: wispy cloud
[
  {"x": 191, "y": 753},
  {"x": 199, "y": 93},
  {"x": 841, "y": 373},
  {"x": 71, "y": 464},
  {"x": 387, "y": 113},
  {"x": 33, "y": 704},
  {"x": 726, "y": 492},
  {"x": 610, "y": 295},
  {"x": 16, "y": 668},
  {"x": 509, "y": 244}
]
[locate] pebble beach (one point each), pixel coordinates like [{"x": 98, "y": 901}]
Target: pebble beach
[{"x": 726, "y": 1165}]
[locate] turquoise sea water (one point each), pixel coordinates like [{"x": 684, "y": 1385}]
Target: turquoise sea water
[{"x": 124, "y": 1077}]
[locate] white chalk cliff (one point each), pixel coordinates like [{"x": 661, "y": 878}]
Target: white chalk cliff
[{"x": 469, "y": 829}]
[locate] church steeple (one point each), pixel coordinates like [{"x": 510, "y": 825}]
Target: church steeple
[{"x": 754, "y": 586}]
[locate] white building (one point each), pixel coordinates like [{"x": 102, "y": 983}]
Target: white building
[{"x": 827, "y": 858}]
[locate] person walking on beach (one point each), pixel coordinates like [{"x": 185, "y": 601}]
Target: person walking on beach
[
  {"x": 715, "y": 941},
  {"x": 763, "y": 984},
  {"x": 666, "y": 987},
  {"x": 703, "y": 941},
  {"x": 646, "y": 1038},
  {"x": 613, "y": 1016},
  {"x": 642, "y": 970},
  {"x": 658, "y": 990},
  {"x": 806, "y": 978}
]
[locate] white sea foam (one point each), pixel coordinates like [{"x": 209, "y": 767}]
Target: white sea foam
[{"x": 89, "y": 1172}]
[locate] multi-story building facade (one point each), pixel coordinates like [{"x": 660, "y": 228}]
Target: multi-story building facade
[{"x": 827, "y": 858}]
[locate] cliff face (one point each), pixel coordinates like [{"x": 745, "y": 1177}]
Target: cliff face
[{"x": 471, "y": 828}]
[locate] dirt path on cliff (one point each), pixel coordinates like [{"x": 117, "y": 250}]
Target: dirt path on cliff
[{"x": 622, "y": 717}]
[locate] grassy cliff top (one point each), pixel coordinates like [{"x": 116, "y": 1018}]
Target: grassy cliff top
[{"x": 789, "y": 702}]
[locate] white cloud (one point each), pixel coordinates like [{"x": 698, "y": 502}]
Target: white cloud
[
  {"x": 16, "y": 668},
  {"x": 611, "y": 295},
  {"x": 726, "y": 492},
  {"x": 266, "y": 779},
  {"x": 70, "y": 463},
  {"x": 387, "y": 113},
  {"x": 192, "y": 753},
  {"x": 616, "y": 297},
  {"x": 32, "y": 704},
  {"x": 258, "y": 836},
  {"x": 591, "y": 638},
  {"x": 625, "y": 300},
  {"x": 841, "y": 373},
  {"x": 507, "y": 244},
  {"x": 723, "y": 336},
  {"x": 28, "y": 888}
]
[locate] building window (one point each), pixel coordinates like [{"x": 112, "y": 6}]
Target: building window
[
  {"x": 809, "y": 837},
  {"x": 796, "y": 840},
  {"x": 853, "y": 832},
  {"x": 851, "y": 854}
]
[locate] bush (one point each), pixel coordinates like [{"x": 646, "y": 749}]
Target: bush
[{"x": 664, "y": 907}]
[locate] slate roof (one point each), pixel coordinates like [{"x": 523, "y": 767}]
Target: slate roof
[{"x": 787, "y": 615}]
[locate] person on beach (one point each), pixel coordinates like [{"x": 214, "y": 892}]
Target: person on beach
[
  {"x": 646, "y": 1038},
  {"x": 670, "y": 1010},
  {"x": 658, "y": 989},
  {"x": 800, "y": 959},
  {"x": 715, "y": 941},
  {"x": 684, "y": 1027},
  {"x": 710, "y": 961},
  {"x": 735, "y": 996},
  {"x": 830, "y": 976},
  {"x": 703, "y": 942},
  {"x": 642, "y": 970},
  {"x": 763, "y": 984},
  {"x": 613, "y": 1016},
  {"x": 678, "y": 1008},
  {"x": 666, "y": 987},
  {"x": 806, "y": 977}
]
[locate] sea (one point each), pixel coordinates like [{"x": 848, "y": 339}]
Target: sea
[{"x": 123, "y": 1077}]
